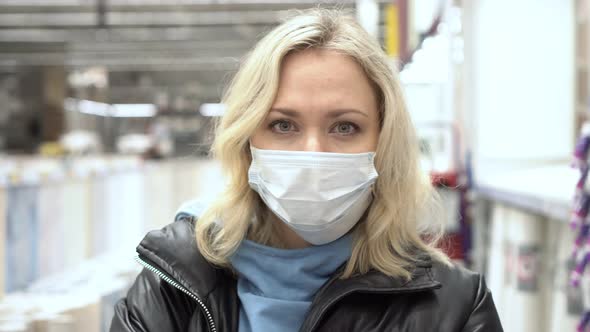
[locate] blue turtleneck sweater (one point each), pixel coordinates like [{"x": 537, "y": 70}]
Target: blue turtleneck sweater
[{"x": 276, "y": 286}]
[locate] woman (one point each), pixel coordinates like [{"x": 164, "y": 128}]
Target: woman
[{"x": 324, "y": 223}]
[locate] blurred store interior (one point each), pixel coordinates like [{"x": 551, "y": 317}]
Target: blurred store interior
[{"x": 106, "y": 116}]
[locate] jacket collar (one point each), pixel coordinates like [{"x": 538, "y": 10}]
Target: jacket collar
[
  {"x": 377, "y": 282},
  {"x": 373, "y": 282},
  {"x": 174, "y": 251}
]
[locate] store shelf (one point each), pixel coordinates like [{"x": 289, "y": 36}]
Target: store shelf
[
  {"x": 582, "y": 93},
  {"x": 81, "y": 298},
  {"x": 84, "y": 207},
  {"x": 543, "y": 190},
  {"x": 179, "y": 114}
]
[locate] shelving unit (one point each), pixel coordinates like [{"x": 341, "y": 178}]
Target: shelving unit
[
  {"x": 582, "y": 43},
  {"x": 98, "y": 208}
]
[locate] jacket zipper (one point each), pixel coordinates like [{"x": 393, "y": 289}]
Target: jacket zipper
[{"x": 183, "y": 289}]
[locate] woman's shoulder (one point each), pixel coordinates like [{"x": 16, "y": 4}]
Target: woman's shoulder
[
  {"x": 464, "y": 294},
  {"x": 174, "y": 250},
  {"x": 454, "y": 273},
  {"x": 461, "y": 287}
]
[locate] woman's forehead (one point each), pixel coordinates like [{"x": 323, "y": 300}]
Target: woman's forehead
[{"x": 323, "y": 79}]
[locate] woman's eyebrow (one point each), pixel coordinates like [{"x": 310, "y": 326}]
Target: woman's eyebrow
[
  {"x": 332, "y": 113},
  {"x": 286, "y": 111},
  {"x": 339, "y": 112}
]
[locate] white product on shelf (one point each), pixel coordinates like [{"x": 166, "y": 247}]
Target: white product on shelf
[
  {"x": 84, "y": 309},
  {"x": 200, "y": 179},
  {"x": 126, "y": 214},
  {"x": 15, "y": 313},
  {"x": 15, "y": 325},
  {"x": 81, "y": 142},
  {"x": 451, "y": 200},
  {"x": 185, "y": 181},
  {"x": 52, "y": 322},
  {"x": 111, "y": 292},
  {"x": 7, "y": 169},
  {"x": 51, "y": 229},
  {"x": 74, "y": 208},
  {"x": 3, "y": 237},
  {"x": 98, "y": 214},
  {"x": 437, "y": 146},
  {"x": 211, "y": 180},
  {"x": 134, "y": 143},
  {"x": 84, "y": 166},
  {"x": 524, "y": 301},
  {"x": 21, "y": 237},
  {"x": 116, "y": 206},
  {"x": 159, "y": 194},
  {"x": 563, "y": 315},
  {"x": 497, "y": 261},
  {"x": 79, "y": 299},
  {"x": 57, "y": 226}
]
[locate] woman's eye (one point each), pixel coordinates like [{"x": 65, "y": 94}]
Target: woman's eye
[
  {"x": 281, "y": 126},
  {"x": 345, "y": 128}
]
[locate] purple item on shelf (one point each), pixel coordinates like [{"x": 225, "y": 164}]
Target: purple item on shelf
[
  {"x": 582, "y": 208},
  {"x": 581, "y": 184},
  {"x": 581, "y": 151},
  {"x": 575, "y": 221},
  {"x": 580, "y": 239},
  {"x": 580, "y": 212},
  {"x": 581, "y": 204},
  {"x": 580, "y": 267},
  {"x": 584, "y": 322}
]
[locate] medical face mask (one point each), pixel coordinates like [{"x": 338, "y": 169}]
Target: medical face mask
[{"x": 320, "y": 195}]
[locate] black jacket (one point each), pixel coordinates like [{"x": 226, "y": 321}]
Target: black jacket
[{"x": 180, "y": 291}]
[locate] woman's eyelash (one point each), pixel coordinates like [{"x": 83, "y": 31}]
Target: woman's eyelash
[
  {"x": 273, "y": 126},
  {"x": 354, "y": 125},
  {"x": 275, "y": 122}
]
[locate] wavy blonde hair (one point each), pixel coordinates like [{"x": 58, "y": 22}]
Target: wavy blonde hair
[{"x": 390, "y": 237}]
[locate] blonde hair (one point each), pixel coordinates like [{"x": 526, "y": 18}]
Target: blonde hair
[{"x": 389, "y": 238}]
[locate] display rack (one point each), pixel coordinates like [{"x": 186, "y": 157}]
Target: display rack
[{"x": 582, "y": 42}]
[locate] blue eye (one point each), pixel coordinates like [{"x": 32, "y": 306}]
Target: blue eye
[
  {"x": 345, "y": 128},
  {"x": 281, "y": 126}
]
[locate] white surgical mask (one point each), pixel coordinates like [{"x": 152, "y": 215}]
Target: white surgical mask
[{"x": 320, "y": 195}]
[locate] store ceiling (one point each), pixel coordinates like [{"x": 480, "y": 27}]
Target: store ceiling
[{"x": 189, "y": 46}]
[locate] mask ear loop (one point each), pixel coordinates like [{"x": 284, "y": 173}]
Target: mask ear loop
[
  {"x": 249, "y": 148},
  {"x": 373, "y": 158}
]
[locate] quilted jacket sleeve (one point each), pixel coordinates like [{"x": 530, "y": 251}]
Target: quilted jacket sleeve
[
  {"x": 152, "y": 305},
  {"x": 484, "y": 316}
]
